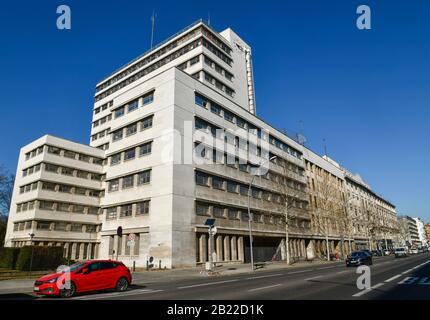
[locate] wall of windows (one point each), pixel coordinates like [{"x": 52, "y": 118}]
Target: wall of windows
[
  {"x": 128, "y": 210},
  {"x": 74, "y": 155},
  {"x": 129, "y": 181},
  {"x": 132, "y": 128},
  {"x": 130, "y": 154},
  {"x": 133, "y": 105}
]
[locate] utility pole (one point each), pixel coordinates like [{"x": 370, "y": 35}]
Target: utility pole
[
  {"x": 32, "y": 250},
  {"x": 153, "y": 27}
]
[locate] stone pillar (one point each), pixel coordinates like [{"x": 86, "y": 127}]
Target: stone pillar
[
  {"x": 73, "y": 255},
  {"x": 219, "y": 248},
  {"x": 66, "y": 250},
  {"x": 203, "y": 247},
  {"x": 211, "y": 246},
  {"x": 96, "y": 250},
  {"x": 81, "y": 251},
  {"x": 233, "y": 246},
  {"x": 89, "y": 250},
  {"x": 227, "y": 256},
  {"x": 123, "y": 244},
  {"x": 240, "y": 249},
  {"x": 283, "y": 250},
  {"x": 115, "y": 246},
  {"x": 303, "y": 245}
]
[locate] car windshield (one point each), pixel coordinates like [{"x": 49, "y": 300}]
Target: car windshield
[
  {"x": 74, "y": 266},
  {"x": 400, "y": 249},
  {"x": 356, "y": 254}
]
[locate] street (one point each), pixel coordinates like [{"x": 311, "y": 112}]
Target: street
[{"x": 391, "y": 278}]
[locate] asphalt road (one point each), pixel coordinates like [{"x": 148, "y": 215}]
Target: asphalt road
[{"x": 391, "y": 278}]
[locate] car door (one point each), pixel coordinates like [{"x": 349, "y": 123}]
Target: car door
[
  {"x": 92, "y": 279},
  {"x": 109, "y": 274}
]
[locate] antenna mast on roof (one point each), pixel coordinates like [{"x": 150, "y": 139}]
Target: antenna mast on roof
[{"x": 153, "y": 27}]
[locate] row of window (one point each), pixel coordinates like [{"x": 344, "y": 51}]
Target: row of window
[
  {"x": 130, "y": 181},
  {"x": 74, "y": 155},
  {"x": 67, "y": 171},
  {"x": 215, "y": 108},
  {"x": 218, "y": 84},
  {"x": 131, "y": 129},
  {"x": 55, "y": 226},
  {"x": 128, "y": 210},
  {"x": 134, "y": 105},
  {"x": 103, "y": 107},
  {"x": 139, "y": 64},
  {"x": 220, "y": 183},
  {"x": 64, "y": 188},
  {"x": 103, "y": 120},
  {"x": 129, "y": 154},
  {"x": 57, "y": 206},
  {"x": 100, "y": 134},
  {"x": 150, "y": 68},
  {"x": 33, "y": 153},
  {"x": 124, "y": 250},
  {"x": 217, "y": 68},
  {"x": 216, "y": 157},
  {"x": 31, "y": 170},
  {"x": 104, "y": 146}
]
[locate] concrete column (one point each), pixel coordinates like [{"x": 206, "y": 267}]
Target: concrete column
[
  {"x": 211, "y": 246},
  {"x": 283, "y": 250},
  {"x": 115, "y": 246},
  {"x": 81, "y": 251},
  {"x": 73, "y": 255},
  {"x": 303, "y": 248},
  {"x": 66, "y": 250},
  {"x": 227, "y": 256},
  {"x": 233, "y": 246},
  {"x": 219, "y": 248},
  {"x": 240, "y": 249},
  {"x": 89, "y": 250},
  {"x": 203, "y": 247},
  {"x": 123, "y": 244},
  {"x": 96, "y": 251}
]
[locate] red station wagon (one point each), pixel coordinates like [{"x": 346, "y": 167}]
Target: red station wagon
[{"x": 93, "y": 275}]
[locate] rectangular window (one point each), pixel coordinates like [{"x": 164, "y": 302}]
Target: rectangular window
[
  {"x": 54, "y": 150},
  {"x": 93, "y": 210},
  {"x": 232, "y": 214},
  {"x": 60, "y": 226},
  {"x": 67, "y": 171},
  {"x": 215, "y": 108},
  {"x": 144, "y": 177},
  {"x": 142, "y": 207},
  {"x": 218, "y": 212},
  {"x": 43, "y": 225},
  {"x": 243, "y": 190},
  {"x": 145, "y": 149},
  {"x": 129, "y": 154},
  {"x": 117, "y": 135},
  {"x": 202, "y": 209},
  {"x": 70, "y": 154},
  {"x": 148, "y": 98},
  {"x": 126, "y": 210},
  {"x": 114, "y": 185},
  {"x": 228, "y": 116},
  {"x": 83, "y": 157},
  {"x": 146, "y": 123},
  {"x": 82, "y": 174},
  {"x": 65, "y": 207},
  {"x": 48, "y": 186},
  {"x": 217, "y": 183},
  {"x": 115, "y": 159},
  {"x": 243, "y": 167},
  {"x": 194, "y": 60},
  {"x": 46, "y": 205},
  {"x": 111, "y": 213},
  {"x": 201, "y": 101},
  {"x": 128, "y": 181},
  {"x": 78, "y": 208},
  {"x": 76, "y": 227},
  {"x": 132, "y": 129},
  {"x": 119, "y": 112},
  {"x": 232, "y": 186},
  {"x": 202, "y": 179},
  {"x": 37, "y": 168},
  {"x": 64, "y": 188},
  {"x": 133, "y": 105}
]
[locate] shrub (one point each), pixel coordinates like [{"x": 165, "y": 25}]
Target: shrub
[
  {"x": 8, "y": 257},
  {"x": 44, "y": 258}
]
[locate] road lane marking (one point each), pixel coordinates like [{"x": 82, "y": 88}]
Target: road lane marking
[
  {"x": 309, "y": 279},
  {"x": 267, "y": 287},
  {"x": 326, "y": 268},
  {"x": 118, "y": 294},
  {"x": 407, "y": 271},
  {"x": 299, "y": 271},
  {"x": 342, "y": 272},
  {"x": 207, "y": 284},
  {"x": 359, "y": 294},
  {"x": 393, "y": 278},
  {"x": 270, "y": 275}
]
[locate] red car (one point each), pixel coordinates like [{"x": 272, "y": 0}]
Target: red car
[{"x": 93, "y": 275}]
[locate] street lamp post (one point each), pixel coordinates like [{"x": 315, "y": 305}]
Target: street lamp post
[
  {"x": 32, "y": 250},
  {"x": 249, "y": 212}
]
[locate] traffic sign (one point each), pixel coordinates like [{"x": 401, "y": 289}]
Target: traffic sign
[
  {"x": 131, "y": 237},
  {"x": 212, "y": 231}
]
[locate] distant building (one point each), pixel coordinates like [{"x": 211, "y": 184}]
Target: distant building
[
  {"x": 408, "y": 231},
  {"x": 421, "y": 231}
]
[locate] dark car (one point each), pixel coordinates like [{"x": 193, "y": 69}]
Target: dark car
[
  {"x": 377, "y": 253},
  {"x": 85, "y": 276},
  {"x": 367, "y": 252},
  {"x": 358, "y": 258}
]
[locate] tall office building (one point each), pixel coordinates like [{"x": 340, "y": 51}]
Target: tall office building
[{"x": 175, "y": 140}]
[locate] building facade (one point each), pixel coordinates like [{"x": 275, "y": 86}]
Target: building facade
[
  {"x": 408, "y": 231},
  {"x": 421, "y": 231},
  {"x": 175, "y": 140}
]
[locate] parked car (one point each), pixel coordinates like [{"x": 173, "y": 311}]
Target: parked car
[
  {"x": 387, "y": 252},
  {"x": 358, "y": 258},
  {"x": 376, "y": 253},
  {"x": 367, "y": 252},
  {"x": 400, "y": 252},
  {"x": 93, "y": 275},
  {"x": 414, "y": 251}
]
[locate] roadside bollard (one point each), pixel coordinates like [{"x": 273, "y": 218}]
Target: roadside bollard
[
  {"x": 147, "y": 265},
  {"x": 134, "y": 266},
  {"x": 159, "y": 264}
]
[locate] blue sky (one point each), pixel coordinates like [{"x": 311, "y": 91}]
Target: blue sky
[{"x": 365, "y": 92}]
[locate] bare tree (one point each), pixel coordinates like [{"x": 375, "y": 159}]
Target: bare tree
[
  {"x": 328, "y": 208},
  {"x": 6, "y": 187}
]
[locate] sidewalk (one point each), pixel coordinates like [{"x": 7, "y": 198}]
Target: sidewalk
[{"x": 153, "y": 276}]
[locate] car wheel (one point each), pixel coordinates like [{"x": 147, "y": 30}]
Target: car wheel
[
  {"x": 70, "y": 292},
  {"x": 122, "y": 285}
]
